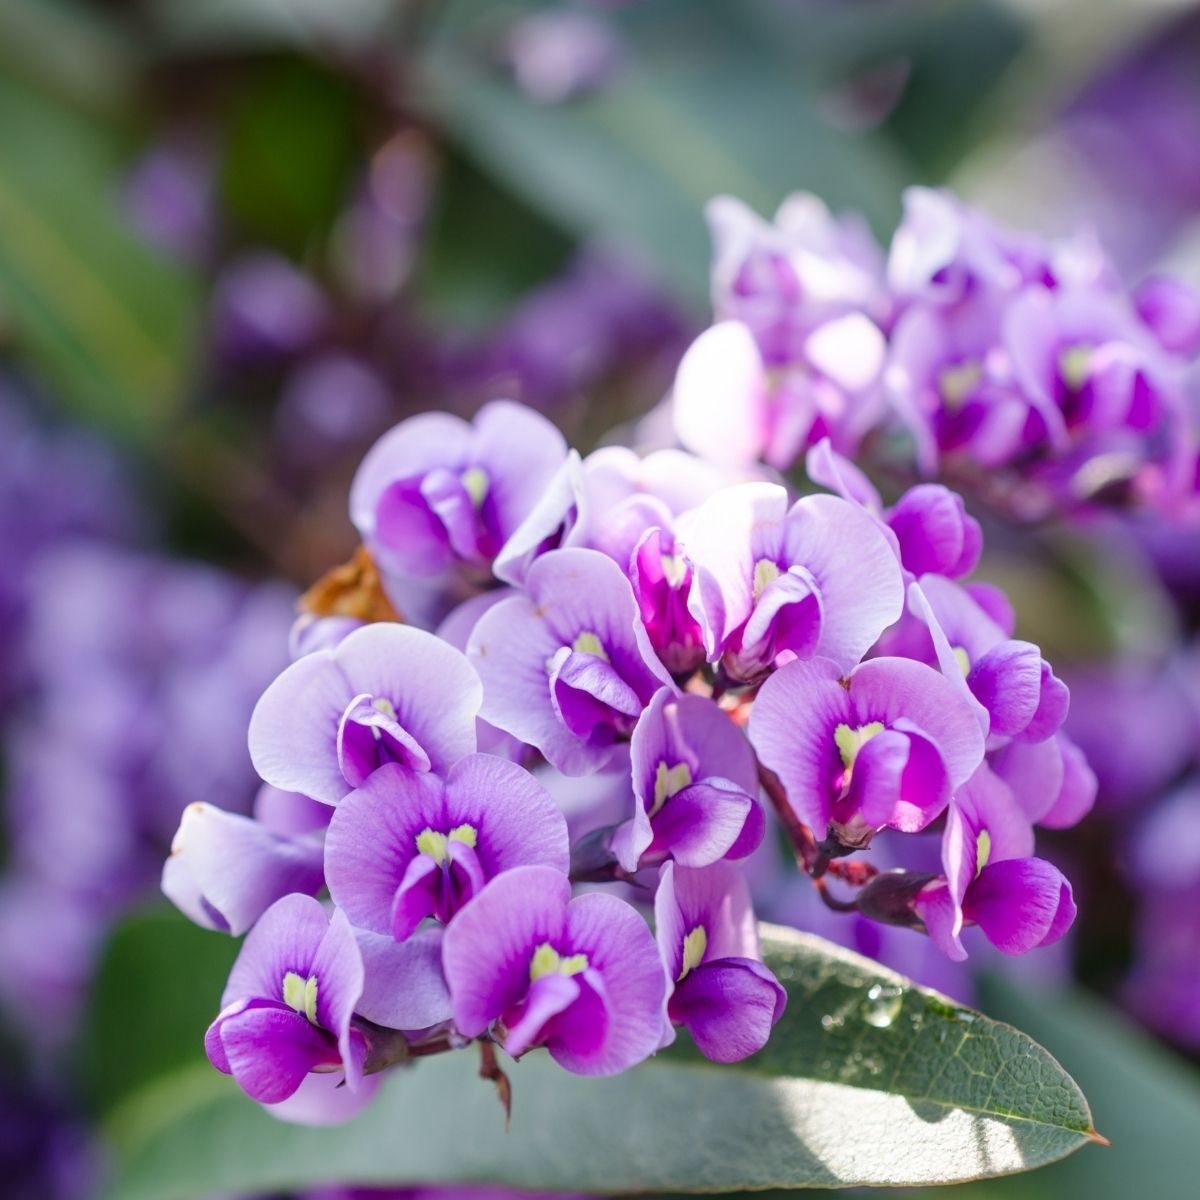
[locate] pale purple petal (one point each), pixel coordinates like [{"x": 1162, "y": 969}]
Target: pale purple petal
[
  {"x": 792, "y": 728},
  {"x": 719, "y": 398},
  {"x": 1078, "y": 792},
  {"x": 890, "y": 689},
  {"x": 376, "y": 870},
  {"x": 723, "y": 539},
  {"x": 430, "y": 691},
  {"x": 715, "y": 897},
  {"x": 321, "y": 1099},
  {"x": 290, "y": 814},
  {"x": 403, "y": 984},
  {"x": 621, "y": 949},
  {"x": 338, "y": 966},
  {"x": 517, "y": 645},
  {"x": 861, "y": 587},
  {"x": 286, "y": 938},
  {"x": 226, "y": 870}
]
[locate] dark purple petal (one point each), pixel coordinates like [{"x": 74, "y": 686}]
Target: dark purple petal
[
  {"x": 1020, "y": 903},
  {"x": 935, "y": 533},
  {"x": 546, "y": 999},
  {"x": 729, "y": 1007},
  {"x": 270, "y": 1050},
  {"x": 1007, "y": 681}
]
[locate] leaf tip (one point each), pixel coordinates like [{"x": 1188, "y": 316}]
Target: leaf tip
[{"x": 1097, "y": 1137}]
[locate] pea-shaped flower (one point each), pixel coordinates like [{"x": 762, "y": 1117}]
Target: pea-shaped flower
[
  {"x": 883, "y": 747},
  {"x": 818, "y": 578},
  {"x": 287, "y": 1006},
  {"x": 385, "y": 694},
  {"x": 437, "y": 489},
  {"x": 991, "y": 878},
  {"x": 566, "y": 663},
  {"x": 407, "y": 846},
  {"x": 722, "y": 993},
  {"x": 695, "y": 787},
  {"x": 581, "y": 977}
]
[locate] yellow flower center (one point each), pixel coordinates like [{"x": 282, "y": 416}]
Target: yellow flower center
[
  {"x": 851, "y": 741},
  {"x": 547, "y": 961},
  {"x": 300, "y": 995},
  {"x": 437, "y": 845},
  {"x": 694, "y": 946},
  {"x": 668, "y": 781},
  {"x": 589, "y": 643}
]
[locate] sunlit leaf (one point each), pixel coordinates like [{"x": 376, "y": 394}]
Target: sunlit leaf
[{"x": 867, "y": 1081}]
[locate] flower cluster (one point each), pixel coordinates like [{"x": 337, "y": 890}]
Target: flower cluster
[
  {"x": 690, "y": 640},
  {"x": 985, "y": 348}
]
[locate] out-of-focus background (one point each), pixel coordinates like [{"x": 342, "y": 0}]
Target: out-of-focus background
[{"x": 241, "y": 238}]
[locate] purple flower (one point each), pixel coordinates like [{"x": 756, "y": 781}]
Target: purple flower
[
  {"x": 407, "y": 846},
  {"x": 1170, "y": 309},
  {"x": 557, "y": 55},
  {"x": 732, "y": 406},
  {"x": 287, "y": 1007},
  {"x": 1136, "y": 725},
  {"x": 883, "y": 747},
  {"x": 722, "y": 994},
  {"x": 796, "y": 353},
  {"x": 695, "y": 787},
  {"x": 929, "y": 526},
  {"x": 944, "y": 253},
  {"x": 661, "y": 577},
  {"x": 1014, "y": 686},
  {"x": 169, "y": 198},
  {"x": 816, "y": 579},
  {"x": 990, "y": 877},
  {"x": 785, "y": 278},
  {"x": 386, "y": 693},
  {"x": 1165, "y": 864},
  {"x": 935, "y": 532},
  {"x": 581, "y": 977},
  {"x": 265, "y": 309},
  {"x": 226, "y": 870},
  {"x": 566, "y": 664},
  {"x": 436, "y": 490},
  {"x": 1052, "y": 780}
]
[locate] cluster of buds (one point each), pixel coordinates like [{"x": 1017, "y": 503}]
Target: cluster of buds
[
  {"x": 691, "y": 641},
  {"x": 984, "y": 348}
]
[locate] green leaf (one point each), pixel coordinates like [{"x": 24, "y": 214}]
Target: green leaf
[
  {"x": 1147, "y": 1102},
  {"x": 867, "y": 1080},
  {"x": 106, "y": 321},
  {"x": 294, "y": 145},
  {"x": 700, "y": 107}
]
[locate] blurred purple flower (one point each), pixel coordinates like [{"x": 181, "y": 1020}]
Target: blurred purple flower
[
  {"x": 169, "y": 197},
  {"x": 560, "y": 54},
  {"x": 266, "y": 309}
]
